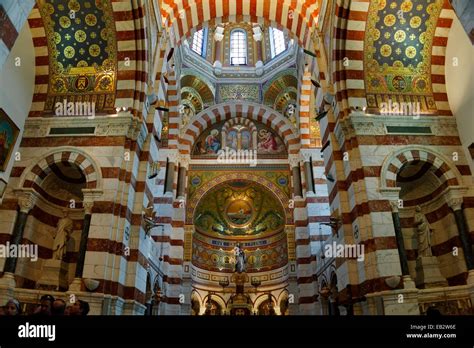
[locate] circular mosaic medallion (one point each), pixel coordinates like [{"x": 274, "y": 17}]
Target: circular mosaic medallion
[
  {"x": 195, "y": 181},
  {"x": 94, "y": 50},
  {"x": 398, "y": 83},
  {"x": 400, "y": 36},
  {"x": 410, "y": 52},
  {"x": 74, "y": 5},
  {"x": 69, "y": 52},
  {"x": 385, "y": 50},
  {"x": 415, "y": 22},
  {"x": 64, "y": 22},
  {"x": 389, "y": 20},
  {"x": 80, "y": 36},
  {"x": 91, "y": 20},
  {"x": 406, "y": 6},
  {"x": 239, "y": 212}
]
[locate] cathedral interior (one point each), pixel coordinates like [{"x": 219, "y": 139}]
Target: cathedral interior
[{"x": 238, "y": 157}]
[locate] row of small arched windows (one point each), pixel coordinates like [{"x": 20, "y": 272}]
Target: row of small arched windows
[{"x": 238, "y": 44}]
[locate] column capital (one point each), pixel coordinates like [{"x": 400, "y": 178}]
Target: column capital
[
  {"x": 305, "y": 155},
  {"x": 454, "y": 197},
  {"x": 455, "y": 203},
  {"x": 90, "y": 196},
  {"x": 294, "y": 161},
  {"x": 88, "y": 205},
  {"x": 27, "y": 198},
  {"x": 184, "y": 161},
  {"x": 219, "y": 33},
  {"x": 394, "y": 205},
  {"x": 173, "y": 157}
]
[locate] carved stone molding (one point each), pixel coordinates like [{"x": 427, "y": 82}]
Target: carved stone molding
[{"x": 104, "y": 125}]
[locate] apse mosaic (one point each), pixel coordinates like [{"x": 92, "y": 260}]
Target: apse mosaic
[
  {"x": 83, "y": 51},
  {"x": 398, "y": 44},
  {"x": 239, "y": 208},
  {"x": 243, "y": 135}
]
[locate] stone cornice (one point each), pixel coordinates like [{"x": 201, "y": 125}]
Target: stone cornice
[
  {"x": 361, "y": 124},
  {"x": 122, "y": 125}
]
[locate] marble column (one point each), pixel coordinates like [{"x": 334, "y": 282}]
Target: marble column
[
  {"x": 399, "y": 237},
  {"x": 170, "y": 177},
  {"x": 26, "y": 201},
  {"x": 90, "y": 195},
  {"x": 84, "y": 237},
  {"x": 455, "y": 203},
  {"x": 258, "y": 35},
  {"x": 309, "y": 177},
  {"x": 408, "y": 282},
  {"x": 218, "y": 36},
  {"x": 295, "y": 167},
  {"x": 182, "y": 175}
]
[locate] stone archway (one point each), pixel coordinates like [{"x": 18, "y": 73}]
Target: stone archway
[{"x": 299, "y": 17}]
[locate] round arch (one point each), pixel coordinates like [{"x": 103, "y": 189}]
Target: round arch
[
  {"x": 445, "y": 170},
  {"x": 37, "y": 172},
  {"x": 216, "y": 298},
  {"x": 228, "y": 110},
  {"x": 299, "y": 16}
]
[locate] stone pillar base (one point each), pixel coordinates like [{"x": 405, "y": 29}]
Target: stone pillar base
[
  {"x": 53, "y": 275},
  {"x": 428, "y": 274},
  {"x": 8, "y": 280}
]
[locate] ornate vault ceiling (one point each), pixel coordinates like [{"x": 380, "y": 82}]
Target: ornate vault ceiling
[
  {"x": 398, "y": 43},
  {"x": 201, "y": 88},
  {"x": 82, "y": 50}
]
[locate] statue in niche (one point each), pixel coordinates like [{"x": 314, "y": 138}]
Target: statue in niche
[
  {"x": 239, "y": 259},
  {"x": 187, "y": 114},
  {"x": 290, "y": 113},
  {"x": 63, "y": 233},
  {"x": 424, "y": 233}
]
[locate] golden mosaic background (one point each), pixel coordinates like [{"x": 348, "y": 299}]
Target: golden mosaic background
[
  {"x": 83, "y": 51},
  {"x": 398, "y": 44}
]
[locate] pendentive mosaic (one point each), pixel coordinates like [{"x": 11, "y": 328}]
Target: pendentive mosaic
[
  {"x": 398, "y": 44},
  {"x": 83, "y": 52}
]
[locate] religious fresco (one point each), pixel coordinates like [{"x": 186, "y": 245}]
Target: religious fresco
[
  {"x": 83, "y": 52},
  {"x": 248, "y": 136},
  {"x": 239, "y": 208},
  {"x": 398, "y": 44}
]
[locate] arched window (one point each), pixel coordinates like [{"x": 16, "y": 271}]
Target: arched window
[
  {"x": 277, "y": 42},
  {"x": 238, "y": 47},
  {"x": 198, "y": 43}
]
